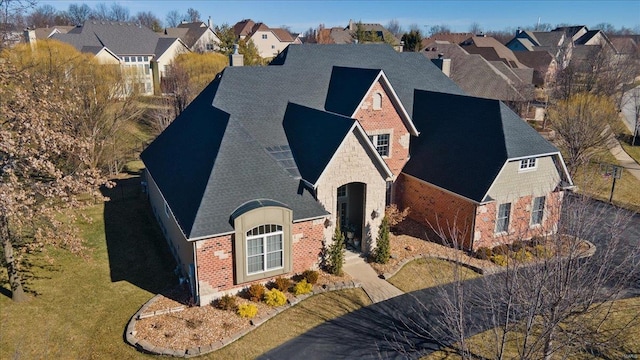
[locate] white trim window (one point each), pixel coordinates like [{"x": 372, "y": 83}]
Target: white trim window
[
  {"x": 528, "y": 164},
  {"x": 537, "y": 210},
  {"x": 381, "y": 143},
  {"x": 264, "y": 36},
  {"x": 265, "y": 248},
  {"x": 502, "y": 219}
]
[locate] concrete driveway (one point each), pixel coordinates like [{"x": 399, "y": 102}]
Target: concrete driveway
[{"x": 397, "y": 328}]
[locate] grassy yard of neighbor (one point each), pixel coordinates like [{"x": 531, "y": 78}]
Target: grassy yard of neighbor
[
  {"x": 80, "y": 307},
  {"x": 591, "y": 181},
  {"x": 426, "y": 272}
]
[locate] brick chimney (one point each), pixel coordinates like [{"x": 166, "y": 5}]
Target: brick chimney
[{"x": 236, "y": 59}]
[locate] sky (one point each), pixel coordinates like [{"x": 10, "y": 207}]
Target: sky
[{"x": 299, "y": 15}]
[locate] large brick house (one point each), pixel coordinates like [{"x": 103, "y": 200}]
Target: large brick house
[{"x": 250, "y": 181}]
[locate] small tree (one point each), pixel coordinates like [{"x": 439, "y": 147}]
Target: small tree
[
  {"x": 335, "y": 252},
  {"x": 412, "y": 40},
  {"x": 383, "y": 248}
]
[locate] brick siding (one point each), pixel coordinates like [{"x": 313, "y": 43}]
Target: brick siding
[
  {"x": 376, "y": 122},
  {"x": 215, "y": 259}
]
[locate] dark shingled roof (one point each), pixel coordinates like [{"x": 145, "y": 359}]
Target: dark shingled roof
[
  {"x": 122, "y": 38},
  {"x": 347, "y": 87},
  {"x": 314, "y": 136},
  {"x": 462, "y": 150},
  {"x": 254, "y": 131}
]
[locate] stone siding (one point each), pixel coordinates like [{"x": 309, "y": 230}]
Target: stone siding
[{"x": 352, "y": 163}]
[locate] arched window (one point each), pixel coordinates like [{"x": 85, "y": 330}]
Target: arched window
[
  {"x": 377, "y": 101},
  {"x": 264, "y": 248}
]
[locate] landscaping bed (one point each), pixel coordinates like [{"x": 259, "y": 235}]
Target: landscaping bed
[{"x": 169, "y": 323}]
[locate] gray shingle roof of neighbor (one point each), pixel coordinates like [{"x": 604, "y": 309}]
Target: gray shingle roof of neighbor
[
  {"x": 314, "y": 136},
  {"x": 122, "y": 38},
  {"x": 466, "y": 140},
  {"x": 230, "y": 146}
]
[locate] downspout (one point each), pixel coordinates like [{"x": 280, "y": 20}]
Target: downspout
[
  {"x": 473, "y": 226},
  {"x": 196, "y": 286}
]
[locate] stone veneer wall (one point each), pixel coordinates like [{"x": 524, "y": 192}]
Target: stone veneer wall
[
  {"x": 386, "y": 121},
  {"x": 353, "y": 163},
  {"x": 215, "y": 259}
]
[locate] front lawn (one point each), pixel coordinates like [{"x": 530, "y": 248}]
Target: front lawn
[
  {"x": 424, "y": 273},
  {"x": 80, "y": 308}
]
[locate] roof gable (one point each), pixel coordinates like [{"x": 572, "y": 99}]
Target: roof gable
[
  {"x": 314, "y": 136},
  {"x": 472, "y": 146}
]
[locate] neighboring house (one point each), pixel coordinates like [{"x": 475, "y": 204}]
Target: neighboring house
[
  {"x": 348, "y": 35},
  {"x": 453, "y": 38},
  {"x": 9, "y": 35},
  {"x": 47, "y": 32},
  {"x": 479, "y": 77},
  {"x": 250, "y": 181},
  {"x": 198, "y": 36},
  {"x": 562, "y": 43},
  {"x": 269, "y": 41},
  {"x": 143, "y": 54},
  {"x": 493, "y": 51}
]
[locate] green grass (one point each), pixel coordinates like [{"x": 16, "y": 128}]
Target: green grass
[
  {"x": 590, "y": 181},
  {"x": 424, "y": 273},
  {"x": 80, "y": 308}
]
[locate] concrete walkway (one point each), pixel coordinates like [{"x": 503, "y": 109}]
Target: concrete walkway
[
  {"x": 376, "y": 288},
  {"x": 623, "y": 158}
]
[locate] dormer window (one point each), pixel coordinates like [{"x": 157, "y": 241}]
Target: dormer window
[
  {"x": 377, "y": 101},
  {"x": 528, "y": 164}
]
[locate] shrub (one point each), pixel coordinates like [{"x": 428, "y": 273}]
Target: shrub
[
  {"x": 311, "y": 276},
  {"x": 537, "y": 240},
  {"x": 501, "y": 250},
  {"x": 335, "y": 253},
  {"x": 522, "y": 255},
  {"x": 226, "y": 302},
  {"x": 256, "y": 292},
  {"x": 282, "y": 284},
  {"x": 275, "y": 297},
  {"x": 500, "y": 259},
  {"x": 541, "y": 251},
  {"x": 517, "y": 245},
  {"x": 383, "y": 248},
  {"x": 484, "y": 253},
  {"x": 247, "y": 310},
  {"x": 394, "y": 215},
  {"x": 303, "y": 287}
]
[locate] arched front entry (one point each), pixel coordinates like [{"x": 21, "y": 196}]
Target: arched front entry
[{"x": 350, "y": 213}]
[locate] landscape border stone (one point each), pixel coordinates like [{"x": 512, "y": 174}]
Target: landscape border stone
[{"x": 148, "y": 348}]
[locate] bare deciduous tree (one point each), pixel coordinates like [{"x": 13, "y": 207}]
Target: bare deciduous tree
[
  {"x": 560, "y": 305},
  {"x": 173, "y": 18},
  {"x": 583, "y": 124}
]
